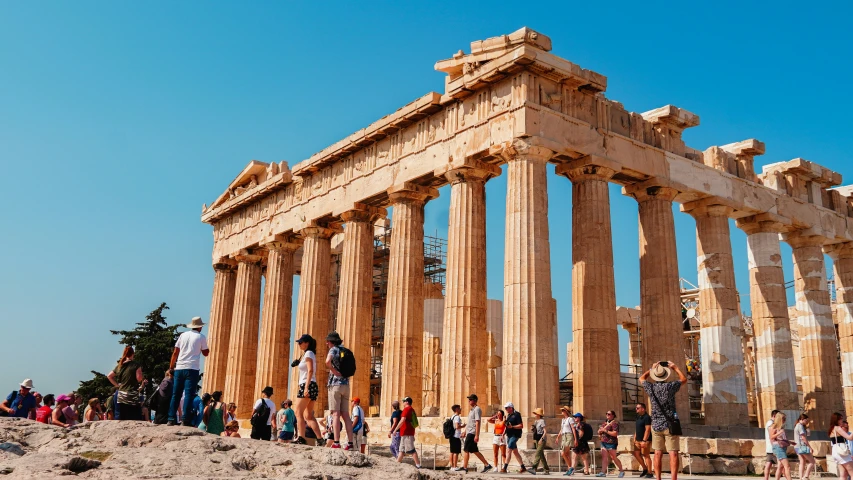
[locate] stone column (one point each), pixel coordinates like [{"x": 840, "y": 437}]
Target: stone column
[
  {"x": 842, "y": 262},
  {"x": 355, "y": 298},
  {"x": 821, "y": 377},
  {"x": 723, "y": 377},
  {"x": 529, "y": 367},
  {"x": 660, "y": 292},
  {"x": 312, "y": 311},
  {"x": 274, "y": 345},
  {"x": 774, "y": 355},
  {"x": 243, "y": 345},
  {"x": 596, "y": 376},
  {"x": 465, "y": 342},
  {"x": 402, "y": 354},
  {"x": 219, "y": 331}
]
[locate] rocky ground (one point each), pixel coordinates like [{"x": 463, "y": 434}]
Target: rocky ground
[{"x": 110, "y": 450}]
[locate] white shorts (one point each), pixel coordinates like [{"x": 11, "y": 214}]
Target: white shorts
[
  {"x": 407, "y": 444},
  {"x": 498, "y": 440}
]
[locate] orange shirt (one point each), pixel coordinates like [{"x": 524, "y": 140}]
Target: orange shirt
[{"x": 500, "y": 427}]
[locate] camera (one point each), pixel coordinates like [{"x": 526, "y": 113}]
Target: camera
[
  {"x": 664, "y": 364},
  {"x": 294, "y": 363}
]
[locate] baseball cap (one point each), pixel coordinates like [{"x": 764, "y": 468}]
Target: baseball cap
[
  {"x": 407, "y": 400},
  {"x": 578, "y": 415},
  {"x": 304, "y": 338},
  {"x": 473, "y": 396},
  {"x": 63, "y": 398},
  {"x": 509, "y": 405}
]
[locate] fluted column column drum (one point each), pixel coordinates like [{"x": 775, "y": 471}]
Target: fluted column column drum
[
  {"x": 842, "y": 262},
  {"x": 402, "y": 354},
  {"x": 465, "y": 342},
  {"x": 243, "y": 346},
  {"x": 219, "y": 331}
]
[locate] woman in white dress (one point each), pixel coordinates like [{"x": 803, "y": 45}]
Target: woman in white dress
[{"x": 838, "y": 437}]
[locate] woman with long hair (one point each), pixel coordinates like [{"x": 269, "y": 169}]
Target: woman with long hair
[
  {"x": 308, "y": 391},
  {"x": 231, "y": 430},
  {"x": 214, "y": 414},
  {"x": 498, "y": 439},
  {"x": 566, "y": 437},
  {"x": 802, "y": 446},
  {"x": 127, "y": 376},
  {"x": 779, "y": 442},
  {"x": 93, "y": 411},
  {"x": 206, "y": 400},
  {"x": 396, "y": 413},
  {"x": 838, "y": 437},
  {"x": 231, "y": 414}
]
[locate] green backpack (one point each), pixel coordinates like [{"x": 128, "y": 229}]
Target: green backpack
[{"x": 414, "y": 421}]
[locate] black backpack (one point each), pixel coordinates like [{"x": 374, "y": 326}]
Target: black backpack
[
  {"x": 344, "y": 362},
  {"x": 260, "y": 417},
  {"x": 448, "y": 428},
  {"x": 152, "y": 402}
]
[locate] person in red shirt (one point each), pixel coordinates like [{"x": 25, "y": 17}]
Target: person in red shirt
[
  {"x": 407, "y": 432},
  {"x": 44, "y": 412}
]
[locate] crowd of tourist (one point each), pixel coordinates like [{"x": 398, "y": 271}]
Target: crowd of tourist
[{"x": 177, "y": 400}]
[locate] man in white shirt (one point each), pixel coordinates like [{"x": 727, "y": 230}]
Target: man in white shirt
[
  {"x": 358, "y": 425},
  {"x": 768, "y": 447},
  {"x": 264, "y": 409},
  {"x": 186, "y": 362}
]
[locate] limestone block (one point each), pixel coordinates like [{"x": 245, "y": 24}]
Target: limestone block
[
  {"x": 729, "y": 466},
  {"x": 822, "y": 464},
  {"x": 696, "y": 464},
  {"x": 756, "y": 464},
  {"x": 759, "y": 448},
  {"x": 694, "y": 445},
  {"x": 820, "y": 448},
  {"x": 628, "y": 461},
  {"x": 723, "y": 446},
  {"x": 626, "y": 444}
]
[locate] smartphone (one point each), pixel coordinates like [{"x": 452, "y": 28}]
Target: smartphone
[{"x": 664, "y": 364}]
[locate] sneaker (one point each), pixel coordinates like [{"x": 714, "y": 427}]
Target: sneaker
[
  {"x": 171, "y": 423},
  {"x": 532, "y": 472},
  {"x": 336, "y": 445},
  {"x": 569, "y": 472},
  {"x": 349, "y": 446},
  {"x": 418, "y": 467},
  {"x": 621, "y": 473},
  {"x": 523, "y": 469},
  {"x": 300, "y": 441},
  {"x": 506, "y": 466},
  {"x": 486, "y": 468},
  {"x": 458, "y": 469},
  {"x": 602, "y": 474}
]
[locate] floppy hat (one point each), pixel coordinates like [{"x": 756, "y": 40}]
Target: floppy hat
[
  {"x": 195, "y": 323},
  {"x": 538, "y": 411},
  {"x": 578, "y": 415},
  {"x": 565, "y": 409},
  {"x": 660, "y": 373},
  {"x": 27, "y": 383},
  {"x": 509, "y": 405},
  {"x": 334, "y": 337}
]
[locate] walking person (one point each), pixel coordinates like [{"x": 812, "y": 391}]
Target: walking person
[
  {"x": 841, "y": 454},
  {"x": 394, "y": 433},
  {"x": 406, "y": 426},
  {"x": 214, "y": 414},
  {"x": 583, "y": 435},
  {"x": 286, "y": 421},
  {"x": 20, "y": 403},
  {"x": 540, "y": 438},
  {"x": 514, "y": 429},
  {"x": 608, "y": 433},
  {"x": 339, "y": 389},
  {"x": 456, "y": 439},
  {"x": 662, "y": 395},
  {"x": 802, "y": 446},
  {"x": 566, "y": 438},
  {"x": 127, "y": 376},
  {"x": 779, "y": 439},
  {"x": 472, "y": 435},
  {"x": 499, "y": 439},
  {"x": 186, "y": 363},
  {"x": 770, "y": 459},
  {"x": 263, "y": 416},
  {"x": 642, "y": 440},
  {"x": 307, "y": 394}
]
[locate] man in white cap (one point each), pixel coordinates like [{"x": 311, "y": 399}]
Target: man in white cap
[
  {"x": 186, "y": 362},
  {"x": 661, "y": 393},
  {"x": 514, "y": 429},
  {"x": 20, "y": 403}
]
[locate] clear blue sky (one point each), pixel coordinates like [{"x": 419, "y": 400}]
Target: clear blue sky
[{"x": 118, "y": 120}]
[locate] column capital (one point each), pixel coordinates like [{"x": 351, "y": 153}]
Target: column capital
[
  {"x": 802, "y": 238},
  {"x": 657, "y": 190},
  {"x": 589, "y": 167},
  {"x": 763, "y": 223},
  {"x": 468, "y": 170},
  {"x": 410, "y": 193},
  {"x": 363, "y": 213},
  {"x": 225, "y": 264},
  {"x": 838, "y": 251},
  {"x": 317, "y": 231},
  {"x": 249, "y": 256},
  {"x": 283, "y": 243},
  {"x": 698, "y": 209},
  {"x": 522, "y": 150}
]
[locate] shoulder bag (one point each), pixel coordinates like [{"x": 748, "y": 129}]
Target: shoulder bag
[{"x": 673, "y": 424}]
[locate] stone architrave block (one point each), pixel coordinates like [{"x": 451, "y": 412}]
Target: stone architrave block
[
  {"x": 729, "y": 466},
  {"x": 694, "y": 445},
  {"x": 722, "y": 446}
]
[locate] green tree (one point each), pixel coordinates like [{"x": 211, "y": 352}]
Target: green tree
[{"x": 153, "y": 342}]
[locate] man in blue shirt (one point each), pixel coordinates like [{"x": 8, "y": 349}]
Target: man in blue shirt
[{"x": 20, "y": 403}]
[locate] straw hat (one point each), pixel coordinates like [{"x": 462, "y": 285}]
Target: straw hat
[
  {"x": 27, "y": 383},
  {"x": 660, "y": 373},
  {"x": 539, "y": 411},
  {"x": 566, "y": 409},
  {"x": 195, "y": 323}
]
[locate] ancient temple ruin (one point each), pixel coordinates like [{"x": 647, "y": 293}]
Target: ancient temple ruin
[{"x": 510, "y": 101}]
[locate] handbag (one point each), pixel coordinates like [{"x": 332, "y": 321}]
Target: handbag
[
  {"x": 843, "y": 448},
  {"x": 673, "y": 424},
  {"x": 802, "y": 450}
]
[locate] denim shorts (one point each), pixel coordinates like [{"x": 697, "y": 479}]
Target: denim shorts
[
  {"x": 286, "y": 436},
  {"x": 511, "y": 443},
  {"x": 780, "y": 453},
  {"x": 609, "y": 446}
]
